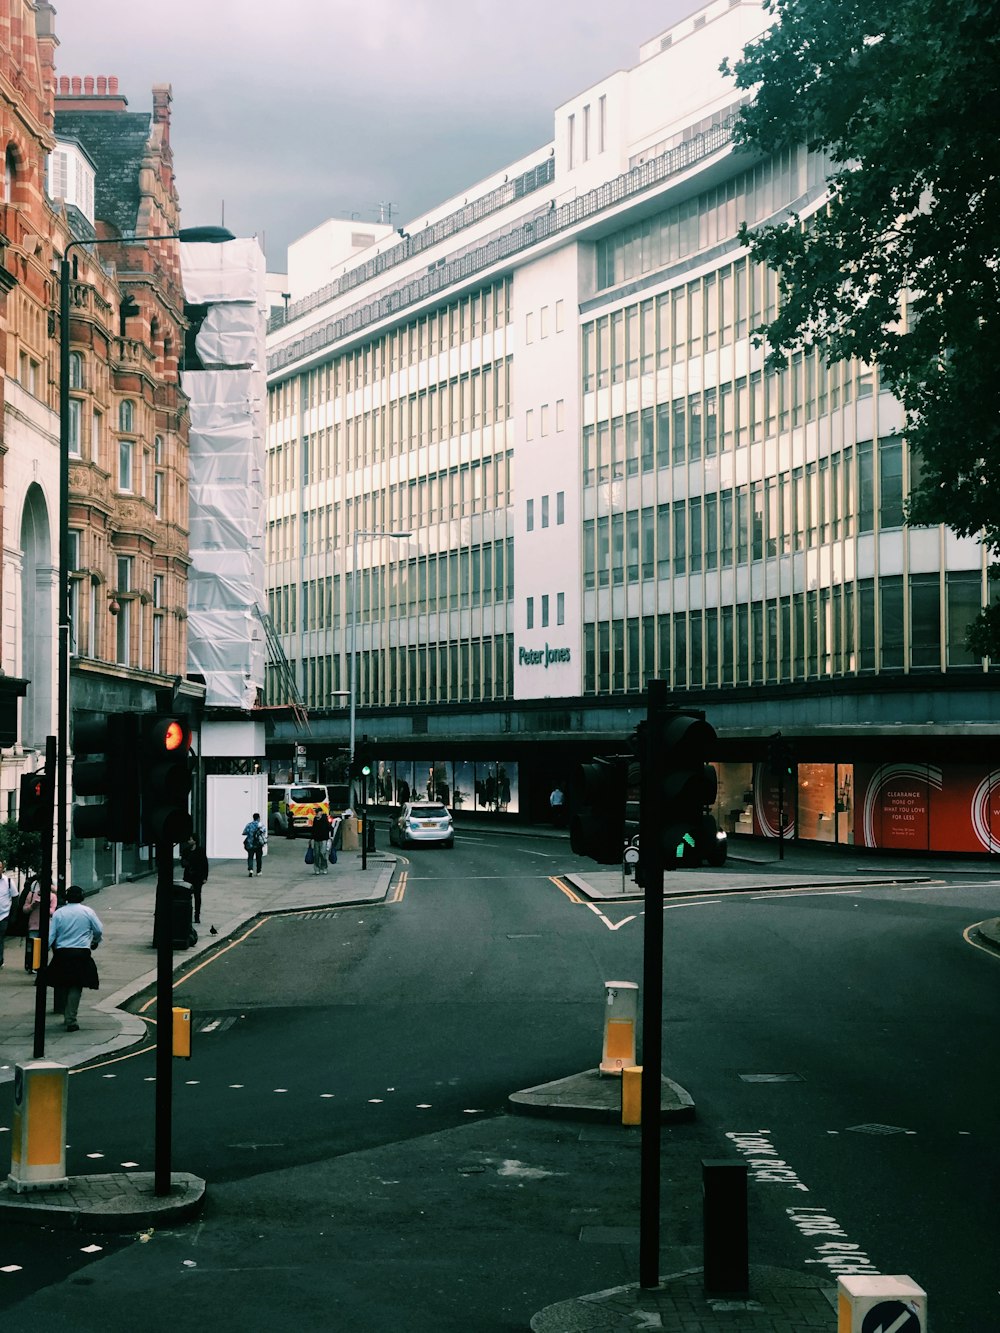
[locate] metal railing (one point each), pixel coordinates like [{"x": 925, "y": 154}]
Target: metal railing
[
  {"x": 488, "y": 251},
  {"x": 428, "y": 236}
]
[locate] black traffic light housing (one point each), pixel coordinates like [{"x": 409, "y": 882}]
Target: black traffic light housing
[
  {"x": 34, "y": 807},
  {"x": 599, "y": 804},
  {"x": 780, "y": 757},
  {"x": 679, "y": 785},
  {"x": 165, "y": 783},
  {"x": 106, "y": 746}
]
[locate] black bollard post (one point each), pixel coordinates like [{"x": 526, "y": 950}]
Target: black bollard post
[{"x": 726, "y": 1240}]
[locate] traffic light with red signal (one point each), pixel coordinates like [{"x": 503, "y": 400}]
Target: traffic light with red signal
[
  {"x": 107, "y": 766},
  {"x": 165, "y": 778},
  {"x": 34, "y": 807}
]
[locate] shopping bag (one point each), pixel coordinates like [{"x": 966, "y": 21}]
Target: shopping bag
[{"x": 310, "y": 855}]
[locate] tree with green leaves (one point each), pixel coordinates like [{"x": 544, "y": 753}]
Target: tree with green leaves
[{"x": 902, "y": 268}]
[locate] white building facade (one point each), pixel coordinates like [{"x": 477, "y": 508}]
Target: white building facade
[{"x": 551, "y": 388}]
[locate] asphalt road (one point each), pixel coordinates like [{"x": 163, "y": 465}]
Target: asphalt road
[{"x": 346, "y": 1103}]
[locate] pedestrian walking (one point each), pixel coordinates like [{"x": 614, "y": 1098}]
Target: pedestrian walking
[
  {"x": 8, "y": 897},
  {"x": 556, "y": 805},
  {"x": 33, "y": 903},
  {"x": 254, "y": 838},
  {"x": 319, "y": 839},
  {"x": 195, "y": 864},
  {"x": 76, "y": 933}
]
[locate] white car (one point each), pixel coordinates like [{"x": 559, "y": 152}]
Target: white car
[{"x": 422, "y": 821}]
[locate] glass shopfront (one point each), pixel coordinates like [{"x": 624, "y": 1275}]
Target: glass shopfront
[{"x": 466, "y": 786}]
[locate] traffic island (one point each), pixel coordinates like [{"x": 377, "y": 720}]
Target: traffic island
[
  {"x": 589, "y": 1096},
  {"x": 780, "y": 1301},
  {"x": 118, "y": 1201}
]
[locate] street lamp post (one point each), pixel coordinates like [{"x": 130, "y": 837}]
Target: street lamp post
[
  {"x": 164, "y": 848},
  {"x": 207, "y": 234},
  {"x": 352, "y": 637}
]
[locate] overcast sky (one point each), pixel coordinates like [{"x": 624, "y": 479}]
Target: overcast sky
[{"x": 286, "y": 114}]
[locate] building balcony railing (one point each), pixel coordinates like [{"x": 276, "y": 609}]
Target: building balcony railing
[
  {"x": 522, "y": 235},
  {"x": 429, "y": 236}
]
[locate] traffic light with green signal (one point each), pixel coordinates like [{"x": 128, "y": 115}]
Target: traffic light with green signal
[
  {"x": 165, "y": 785},
  {"x": 106, "y": 746},
  {"x": 780, "y": 757},
  {"x": 679, "y": 786}
]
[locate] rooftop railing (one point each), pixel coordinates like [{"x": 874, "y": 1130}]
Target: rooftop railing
[{"x": 488, "y": 251}]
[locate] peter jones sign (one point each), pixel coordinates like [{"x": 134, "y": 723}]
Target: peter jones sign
[{"x": 542, "y": 656}]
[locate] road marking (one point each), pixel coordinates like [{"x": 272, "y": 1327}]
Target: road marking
[
  {"x": 984, "y": 948},
  {"x": 811, "y": 893},
  {"x": 400, "y": 889},
  {"x": 563, "y": 887},
  {"x": 611, "y": 925},
  {"x": 701, "y": 902}
]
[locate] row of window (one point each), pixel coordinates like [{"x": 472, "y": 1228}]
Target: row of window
[
  {"x": 480, "y": 486},
  {"x": 829, "y": 499},
  {"x": 469, "y": 576},
  {"x": 464, "y": 405},
  {"x": 718, "y": 420},
  {"x": 899, "y": 624},
  {"x": 710, "y": 218},
  {"x": 452, "y": 326},
  {"x": 480, "y": 669},
  {"x": 544, "y": 603},
  {"x": 543, "y": 511}
]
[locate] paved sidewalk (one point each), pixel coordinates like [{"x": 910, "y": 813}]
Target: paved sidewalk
[{"x": 126, "y": 961}]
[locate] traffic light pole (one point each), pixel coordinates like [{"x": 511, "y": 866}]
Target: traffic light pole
[
  {"x": 163, "y": 925},
  {"x": 651, "y": 865},
  {"x": 45, "y": 901}
]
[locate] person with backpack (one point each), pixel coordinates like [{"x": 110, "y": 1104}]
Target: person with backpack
[{"x": 254, "y": 838}]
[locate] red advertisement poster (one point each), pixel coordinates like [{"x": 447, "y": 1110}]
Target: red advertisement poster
[
  {"x": 927, "y": 807},
  {"x": 765, "y": 803}
]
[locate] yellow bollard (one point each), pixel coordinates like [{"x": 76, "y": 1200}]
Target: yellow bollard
[
  {"x": 618, "y": 1050},
  {"x": 36, "y": 953},
  {"x": 632, "y": 1095},
  {"x": 38, "y": 1132},
  {"x": 182, "y": 1034}
]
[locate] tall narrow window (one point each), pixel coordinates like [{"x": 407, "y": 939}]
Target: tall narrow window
[
  {"x": 73, "y": 427},
  {"x": 126, "y": 450},
  {"x": 531, "y": 613}
]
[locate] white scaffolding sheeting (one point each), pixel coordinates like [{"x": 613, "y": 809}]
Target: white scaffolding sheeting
[
  {"x": 227, "y": 457},
  {"x": 231, "y": 335}
]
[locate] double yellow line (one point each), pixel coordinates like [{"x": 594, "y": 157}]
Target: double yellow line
[
  {"x": 400, "y": 889},
  {"x": 563, "y": 887}
]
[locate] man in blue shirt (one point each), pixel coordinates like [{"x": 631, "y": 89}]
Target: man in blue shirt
[{"x": 76, "y": 931}]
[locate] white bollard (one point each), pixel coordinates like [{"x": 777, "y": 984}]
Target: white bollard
[
  {"x": 880, "y": 1303},
  {"x": 38, "y": 1141},
  {"x": 620, "y": 1009}
]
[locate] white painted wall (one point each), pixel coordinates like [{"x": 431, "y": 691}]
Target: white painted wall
[
  {"x": 230, "y": 801},
  {"x": 545, "y": 404}
]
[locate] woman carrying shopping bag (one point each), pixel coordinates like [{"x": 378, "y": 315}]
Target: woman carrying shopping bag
[{"x": 319, "y": 841}]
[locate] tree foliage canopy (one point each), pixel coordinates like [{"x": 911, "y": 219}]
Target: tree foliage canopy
[{"x": 902, "y": 269}]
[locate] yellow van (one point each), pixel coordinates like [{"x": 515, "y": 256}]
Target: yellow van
[{"x": 292, "y": 806}]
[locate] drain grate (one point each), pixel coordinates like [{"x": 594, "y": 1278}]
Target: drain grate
[
  {"x": 771, "y": 1078},
  {"x": 875, "y": 1129}
]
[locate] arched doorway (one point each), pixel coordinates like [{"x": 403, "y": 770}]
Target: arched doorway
[{"x": 38, "y": 577}]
